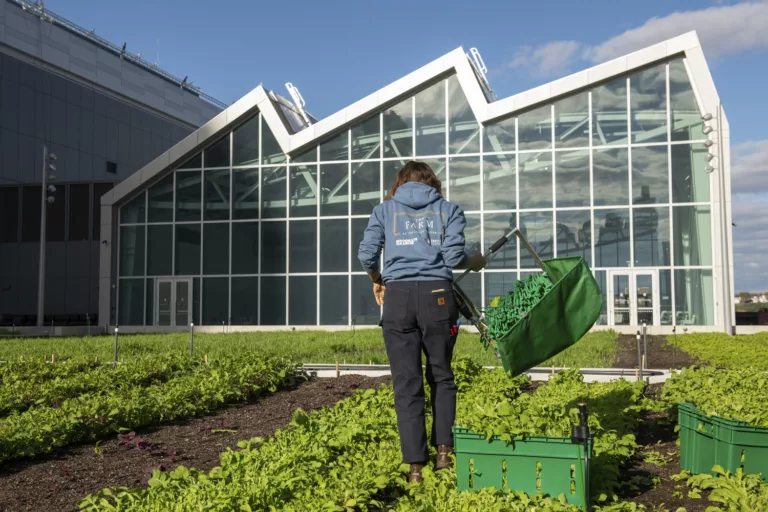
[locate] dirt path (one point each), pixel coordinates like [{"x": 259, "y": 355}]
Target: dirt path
[{"x": 661, "y": 356}]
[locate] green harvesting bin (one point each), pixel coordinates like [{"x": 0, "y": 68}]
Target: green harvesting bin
[
  {"x": 546, "y": 465},
  {"x": 706, "y": 441},
  {"x": 565, "y": 314}
]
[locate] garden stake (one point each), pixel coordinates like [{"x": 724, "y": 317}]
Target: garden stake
[
  {"x": 637, "y": 375},
  {"x": 645, "y": 340},
  {"x": 53, "y": 358},
  {"x": 674, "y": 345},
  {"x": 191, "y": 338},
  {"x": 115, "y": 345},
  {"x": 206, "y": 358},
  {"x": 337, "y": 368},
  {"x": 639, "y": 356}
]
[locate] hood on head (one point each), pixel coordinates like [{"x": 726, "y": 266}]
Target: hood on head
[{"x": 416, "y": 194}]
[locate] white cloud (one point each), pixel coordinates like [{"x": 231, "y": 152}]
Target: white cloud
[
  {"x": 547, "y": 59},
  {"x": 749, "y": 168}
]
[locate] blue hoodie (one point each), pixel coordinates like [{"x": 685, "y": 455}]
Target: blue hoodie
[{"x": 421, "y": 233}]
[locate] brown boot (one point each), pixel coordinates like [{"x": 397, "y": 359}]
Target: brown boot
[
  {"x": 443, "y": 457},
  {"x": 415, "y": 475}
]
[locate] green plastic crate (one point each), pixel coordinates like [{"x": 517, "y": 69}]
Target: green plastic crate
[
  {"x": 706, "y": 441},
  {"x": 536, "y": 465}
]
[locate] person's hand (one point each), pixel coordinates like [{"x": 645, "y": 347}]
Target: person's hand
[
  {"x": 378, "y": 292},
  {"x": 476, "y": 262}
]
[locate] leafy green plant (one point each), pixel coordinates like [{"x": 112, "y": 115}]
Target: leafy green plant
[
  {"x": 719, "y": 349},
  {"x": 732, "y": 491}
]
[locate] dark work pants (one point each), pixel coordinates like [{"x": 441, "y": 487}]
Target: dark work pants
[{"x": 418, "y": 316}]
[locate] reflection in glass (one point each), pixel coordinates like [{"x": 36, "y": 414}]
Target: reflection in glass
[
  {"x": 216, "y": 195},
  {"x": 398, "y": 130},
  {"x": 216, "y": 301},
  {"x": 159, "y": 250},
  {"x": 610, "y": 176},
  {"x": 245, "y": 247},
  {"x": 303, "y": 191},
  {"x": 473, "y": 287},
  {"x": 499, "y": 136},
  {"x": 686, "y": 116},
  {"x": 366, "y": 183},
  {"x": 196, "y": 162},
  {"x": 273, "y": 192},
  {"x": 572, "y": 178},
  {"x": 245, "y": 143},
  {"x": 131, "y": 250},
  {"x": 612, "y": 238},
  {"x": 390, "y": 170},
  {"x": 648, "y": 104},
  {"x": 188, "y": 196},
  {"x": 651, "y": 233},
  {"x": 693, "y": 236},
  {"x": 538, "y": 228},
  {"x": 164, "y": 304},
  {"x": 302, "y": 300},
  {"x": 430, "y": 120},
  {"x": 574, "y": 234},
  {"x": 499, "y": 182},
  {"x": 273, "y": 300},
  {"x": 182, "y": 306},
  {"x": 196, "y": 305},
  {"x": 358, "y": 229},
  {"x": 650, "y": 175},
  {"x": 497, "y": 284},
  {"x": 609, "y": 113},
  {"x": 622, "y": 300},
  {"x": 217, "y": 154},
  {"x": 303, "y": 246},
  {"x": 572, "y": 122},
  {"x": 334, "y": 236},
  {"x": 464, "y": 130},
  {"x": 273, "y": 247},
  {"x": 645, "y": 299},
  {"x": 130, "y": 213},
  {"x": 187, "y": 249},
  {"x": 366, "y": 139},
  {"x": 534, "y": 129},
  {"x": 690, "y": 181},
  {"x": 161, "y": 200},
  {"x": 334, "y": 300},
  {"x": 335, "y": 148},
  {"x": 245, "y": 194},
  {"x": 334, "y": 180},
  {"x": 365, "y": 311},
  {"x": 308, "y": 156},
  {"x": 149, "y": 303},
  {"x": 131, "y": 302},
  {"x": 665, "y": 297},
  {"x": 496, "y": 226},
  {"x": 216, "y": 248},
  {"x": 600, "y": 276},
  {"x": 271, "y": 153},
  {"x": 464, "y": 188},
  {"x": 472, "y": 239},
  {"x": 535, "y": 180},
  {"x": 694, "y": 297},
  {"x": 245, "y": 300}
]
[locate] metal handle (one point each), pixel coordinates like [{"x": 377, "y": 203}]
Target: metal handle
[{"x": 500, "y": 243}]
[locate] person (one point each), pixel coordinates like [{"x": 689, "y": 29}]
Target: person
[{"x": 422, "y": 236}]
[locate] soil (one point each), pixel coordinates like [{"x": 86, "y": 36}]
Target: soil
[
  {"x": 660, "y": 355},
  {"x": 55, "y": 482}
]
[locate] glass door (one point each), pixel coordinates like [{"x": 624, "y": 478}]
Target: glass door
[
  {"x": 173, "y": 299},
  {"x": 633, "y": 298}
]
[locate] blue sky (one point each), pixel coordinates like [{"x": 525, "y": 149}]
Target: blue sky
[{"x": 339, "y": 51}]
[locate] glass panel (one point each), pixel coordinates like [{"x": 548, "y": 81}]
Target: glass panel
[
  {"x": 216, "y": 195},
  {"x": 464, "y": 188},
  {"x": 600, "y": 276},
  {"x": 187, "y": 249},
  {"x": 365, "y": 311},
  {"x": 390, "y": 170},
  {"x": 273, "y": 301},
  {"x": 196, "y": 162},
  {"x": 574, "y": 233},
  {"x": 651, "y": 231},
  {"x": 131, "y": 302},
  {"x": 472, "y": 286},
  {"x": 650, "y": 175},
  {"x": 398, "y": 130},
  {"x": 690, "y": 182},
  {"x": 246, "y": 194},
  {"x": 188, "y": 196},
  {"x": 245, "y": 248},
  {"x": 645, "y": 299},
  {"x": 694, "y": 297},
  {"x": 572, "y": 122},
  {"x": 309, "y": 156},
  {"x": 499, "y": 182},
  {"x": 572, "y": 178},
  {"x": 538, "y": 228},
  {"x": 245, "y": 300},
  {"x": 159, "y": 250},
  {"x": 131, "y": 213},
  {"x": 648, "y": 104},
  {"x": 693, "y": 236},
  {"x": 9, "y": 214},
  {"x": 245, "y": 143},
  {"x": 665, "y": 297},
  {"x": 336, "y": 148},
  {"x": 334, "y": 180},
  {"x": 196, "y": 307},
  {"x": 610, "y": 177},
  {"x": 182, "y": 308},
  {"x": 464, "y": 130},
  {"x": 497, "y": 284},
  {"x": 334, "y": 299},
  {"x": 271, "y": 153},
  {"x": 536, "y": 180},
  {"x": 217, "y": 154},
  {"x": 149, "y": 306},
  {"x": 496, "y": 226},
  {"x": 302, "y": 300},
  {"x": 215, "y": 300},
  {"x": 534, "y": 129},
  {"x": 430, "y": 120},
  {"x": 499, "y": 136},
  {"x": 366, "y": 139},
  {"x": 303, "y": 191},
  {"x": 622, "y": 305},
  {"x": 334, "y": 237},
  {"x": 609, "y": 113},
  {"x": 303, "y": 246},
  {"x": 358, "y": 229},
  {"x": 216, "y": 248},
  {"x": 472, "y": 236},
  {"x": 612, "y": 244},
  {"x": 161, "y": 200},
  {"x": 273, "y": 193},
  {"x": 686, "y": 117},
  {"x": 273, "y": 248},
  {"x": 164, "y": 306},
  {"x": 366, "y": 185},
  {"x": 132, "y": 250}
]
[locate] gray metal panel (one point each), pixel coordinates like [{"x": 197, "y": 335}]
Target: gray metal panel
[
  {"x": 78, "y": 259},
  {"x": 56, "y": 260},
  {"x": 78, "y": 291}
]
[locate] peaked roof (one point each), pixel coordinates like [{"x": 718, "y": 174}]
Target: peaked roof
[{"x": 457, "y": 62}]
